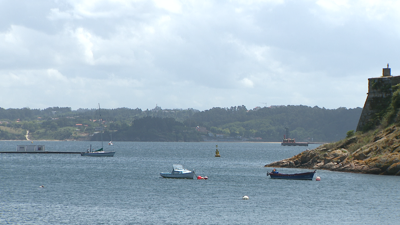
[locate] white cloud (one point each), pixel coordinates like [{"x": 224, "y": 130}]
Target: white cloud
[
  {"x": 173, "y": 6},
  {"x": 247, "y": 82},
  {"x": 195, "y": 54},
  {"x": 84, "y": 39}
]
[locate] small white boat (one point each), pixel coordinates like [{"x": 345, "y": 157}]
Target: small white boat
[
  {"x": 97, "y": 153},
  {"x": 178, "y": 172}
]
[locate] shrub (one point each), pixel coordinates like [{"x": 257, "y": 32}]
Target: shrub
[{"x": 350, "y": 133}]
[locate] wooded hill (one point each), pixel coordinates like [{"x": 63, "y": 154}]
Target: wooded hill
[{"x": 123, "y": 124}]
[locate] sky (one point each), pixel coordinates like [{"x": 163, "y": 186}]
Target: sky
[{"x": 194, "y": 54}]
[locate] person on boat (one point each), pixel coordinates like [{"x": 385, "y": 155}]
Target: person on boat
[{"x": 274, "y": 171}]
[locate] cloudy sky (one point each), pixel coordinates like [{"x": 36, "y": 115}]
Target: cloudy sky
[{"x": 194, "y": 54}]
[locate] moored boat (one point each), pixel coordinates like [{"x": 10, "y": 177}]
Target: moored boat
[
  {"x": 178, "y": 172},
  {"x": 291, "y": 141},
  {"x": 97, "y": 153},
  {"x": 294, "y": 176}
]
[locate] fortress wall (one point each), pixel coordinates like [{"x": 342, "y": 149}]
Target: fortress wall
[{"x": 378, "y": 97}]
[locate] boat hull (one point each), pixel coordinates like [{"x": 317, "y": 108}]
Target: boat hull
[
  {"x": 178, "y": 176},
  {"x": 98, "y": 154},
  {"x": 294, "y": 143},
  {"x": 295, "y": 176}
]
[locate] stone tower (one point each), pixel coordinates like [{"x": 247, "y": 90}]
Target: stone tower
[{"x": 379, "y": 97}]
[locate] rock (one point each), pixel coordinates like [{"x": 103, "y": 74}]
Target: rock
[
  {"x": 393, "y": 169},
  {"x": 307, "y": 156},
  {"x": 348, "y": 142},
  {"x": 282, "y": 163},
  {"x": 360, "y": 156},
  {"x": 374, "y": 171},
  {"x": 340, "y": 156},
  {"x": 379, "y": 155},
  {"x": 337, "y": 153},
  {"x": 327, "y": 160},
  {"x": 364, "y": 169},
  {"x": 330, "y": 166},
  {"x": 318, "y": 165}
]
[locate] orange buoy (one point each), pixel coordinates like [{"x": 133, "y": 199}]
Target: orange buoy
[{"x": 318, "y": 178}]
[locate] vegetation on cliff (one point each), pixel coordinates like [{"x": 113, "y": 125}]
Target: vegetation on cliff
[{"x": 374, "y": 151}]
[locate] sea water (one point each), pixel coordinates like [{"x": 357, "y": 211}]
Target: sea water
[{"x": 127, "y": 188}]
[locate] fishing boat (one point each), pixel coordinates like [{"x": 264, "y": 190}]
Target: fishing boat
[
  {"x": 178, "y": 172},
  {"x": 294, "y": 176},
  {"x": 291, "y": 141},
  {"x": 99, "y": 152}
]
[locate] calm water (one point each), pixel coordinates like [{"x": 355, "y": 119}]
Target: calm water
[{"x": 127, "y": 188}]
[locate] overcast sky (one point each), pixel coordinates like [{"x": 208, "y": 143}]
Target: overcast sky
[{"x": 194, "y": 54}]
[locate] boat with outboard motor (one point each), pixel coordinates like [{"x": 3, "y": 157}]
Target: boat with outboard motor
[
  {"x": 178, "y": 172},
  {"x": 294, "y": 176}
]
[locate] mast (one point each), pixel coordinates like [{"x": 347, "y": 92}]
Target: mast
[{"x": 102, "y": 128}]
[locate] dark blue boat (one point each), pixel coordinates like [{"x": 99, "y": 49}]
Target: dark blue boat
[{"x": 294, "y": 176}]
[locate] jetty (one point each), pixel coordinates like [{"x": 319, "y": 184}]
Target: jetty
[
  {"x": 42, "y": 152},
  {"x": 35, "y": 149}
]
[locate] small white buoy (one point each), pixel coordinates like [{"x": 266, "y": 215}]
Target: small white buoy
[
  {"x": 41, "y": 186},
  {"x": 245, "y": 197},
  {"x": 318, "y": 178}
]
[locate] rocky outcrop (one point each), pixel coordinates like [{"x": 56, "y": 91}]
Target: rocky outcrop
[{"x": 372, "y": 153}]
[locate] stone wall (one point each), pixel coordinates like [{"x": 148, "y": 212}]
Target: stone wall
[{"x": 378, "y": 97}]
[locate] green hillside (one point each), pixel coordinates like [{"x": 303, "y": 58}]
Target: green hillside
[{"x": 233, "y": 124}]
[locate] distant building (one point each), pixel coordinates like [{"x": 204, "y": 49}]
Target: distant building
[
  {"x": 201, "y": 129},
  {"x": 30, "y": 148}
]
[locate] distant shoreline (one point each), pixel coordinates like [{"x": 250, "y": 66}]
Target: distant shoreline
[{"x": 267, "y": 142}]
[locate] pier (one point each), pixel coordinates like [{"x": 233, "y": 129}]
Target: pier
[
  {"x": 42, "y": 152},
  {"x": 35, "y": 149}
]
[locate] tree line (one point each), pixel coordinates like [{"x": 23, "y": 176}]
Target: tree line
[{"x": 123, "y": 124}]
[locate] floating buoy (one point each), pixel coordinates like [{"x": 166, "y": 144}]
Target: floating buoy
[
  {"x": 318, "y": 178},
  {"x": 245, "y": 197},
  {"x": 41, "y": 186},
  {"x": 202, "y": 178},
  {"x": 217, "y": 152}
]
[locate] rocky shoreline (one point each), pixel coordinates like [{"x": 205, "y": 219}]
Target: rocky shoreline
[{"x": 372, "y": 153}]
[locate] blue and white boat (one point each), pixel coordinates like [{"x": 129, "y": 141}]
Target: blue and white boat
[
  {"x": 178, "y": 172},
  {"x": 294, "y": 176}
]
